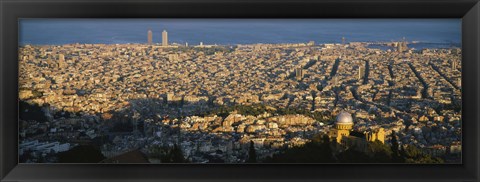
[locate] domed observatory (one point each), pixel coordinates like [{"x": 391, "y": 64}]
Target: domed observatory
[
  {"x": 341, "y": 134},
  {"x": 344, "y": 121},
  {"x": 343, "y": 125}
]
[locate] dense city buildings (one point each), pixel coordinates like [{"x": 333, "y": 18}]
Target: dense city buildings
[
  {"x": 125, "y": 97},
  {"x": 162, "y": 103}
]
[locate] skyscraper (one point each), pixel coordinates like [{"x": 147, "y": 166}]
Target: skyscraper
[
  {"x": 399, "y": 47},
  {"x": 61, "y": 61},
  {"x": 149, "y": 36},
  {"x": 164, "y": 38},
  {"x": 360, "y": 73},
  {"x": 299, "y": 73},
  {"x": 405, "y": 47},
  {"x": 402, "y": 46}
]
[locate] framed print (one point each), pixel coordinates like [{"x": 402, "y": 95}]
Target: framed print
[
  {"x": 204, "y": 91},
  {"x": 239, "y": 90}
]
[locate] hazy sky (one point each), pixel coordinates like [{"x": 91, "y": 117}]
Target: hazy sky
[{"x": 235, "y": 31}]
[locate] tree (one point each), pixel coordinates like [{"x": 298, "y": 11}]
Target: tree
[
  {"x": 177, "y": 155},
  {"x": 395, "y": 151},
  {"x": 26, "y": 156},
  {"x": 317, "y": 151},
  {"x": 81, "y": 154},
  {"x": 326, "y": 149},
  {"x": 352, "y": 156},
  {"x": 168, "y": 155},
  {"x": 31, "y": 112},
  {"x": 36, "y": 93},
  {"x": 252, "y": 155},
  {"x": 381, "y": 152},
  {"x": 412, "y": 154}
]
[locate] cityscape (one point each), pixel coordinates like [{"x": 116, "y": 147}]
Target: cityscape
[{"x": 160, "y": 101}]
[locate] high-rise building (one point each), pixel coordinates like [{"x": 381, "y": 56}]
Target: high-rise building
[
  {"x": 61, "y": 61},
  {"x": 360, "y": 73},
  {"x": 399, "y": 47},
  {"x": 299, "y": 73},
  {"x": 164, "y": 38},
  {"x": 149, "y": 37},
  {"x": 61, "y": 57},
  {"x": 405, "y": 47},
  {"x": 402, "y": 46}
]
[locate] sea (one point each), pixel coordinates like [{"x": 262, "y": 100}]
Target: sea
[{"x": 427, "y": 33}]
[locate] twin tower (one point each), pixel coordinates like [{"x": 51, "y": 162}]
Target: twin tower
[{"x": 164, "y": 37}]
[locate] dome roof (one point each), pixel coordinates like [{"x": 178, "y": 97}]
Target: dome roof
[{"x": 344, "y": 118}]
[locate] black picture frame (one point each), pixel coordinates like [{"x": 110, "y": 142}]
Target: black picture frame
[{"x": 12, "y": 10}]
